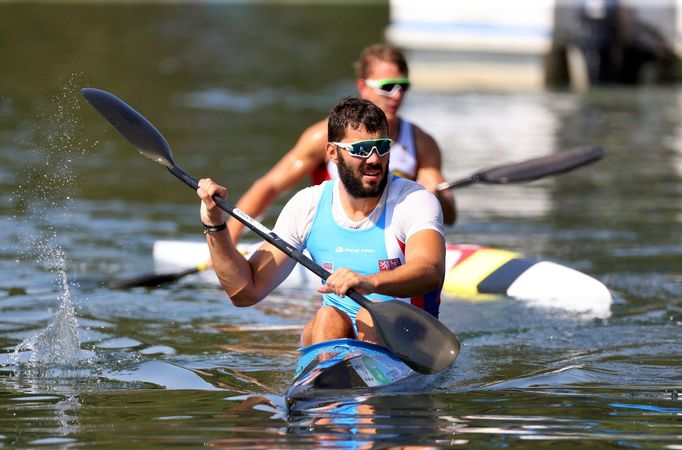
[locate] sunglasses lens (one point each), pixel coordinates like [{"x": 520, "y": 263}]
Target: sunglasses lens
[
  {"x": 391, "y": 88},
  {"x": 383, "y": 147},
  {"x": 361, "y": 149},
  {"x": 364, "y": 149}
]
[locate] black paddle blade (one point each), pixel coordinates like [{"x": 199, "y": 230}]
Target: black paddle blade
[
  {"x": 537, "y": 168},
  {"x": 413, "y": 335},
  {"x": 151, "y": 279},
  {"x": 132, "y": 125}
]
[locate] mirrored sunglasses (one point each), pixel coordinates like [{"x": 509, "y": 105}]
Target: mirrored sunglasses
[
  {"x": 363, "y": 149},
  {"x": 390, "y": 86}
]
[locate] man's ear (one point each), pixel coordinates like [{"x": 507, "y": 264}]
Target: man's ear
[
  {"x": 332, "y": 152},
  {"x": 360, "y": 85}
]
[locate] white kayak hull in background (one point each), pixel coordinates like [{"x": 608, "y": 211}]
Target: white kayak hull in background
[{"x": 473, "y": 273}]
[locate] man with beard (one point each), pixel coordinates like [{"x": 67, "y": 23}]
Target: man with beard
[{"x": 377, "y": 233}]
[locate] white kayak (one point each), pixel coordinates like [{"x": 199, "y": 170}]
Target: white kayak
[{"x": 473, "y": 273}]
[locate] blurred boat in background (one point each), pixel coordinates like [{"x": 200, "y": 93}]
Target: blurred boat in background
[{"x": 530, "y": 45}]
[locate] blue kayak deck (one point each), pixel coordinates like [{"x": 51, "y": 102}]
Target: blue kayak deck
[{"x": 345, "y": 364}]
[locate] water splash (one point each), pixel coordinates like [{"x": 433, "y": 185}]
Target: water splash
[
  {"x": 58, "y": 343},
  {"x": 43, "y": 215}
]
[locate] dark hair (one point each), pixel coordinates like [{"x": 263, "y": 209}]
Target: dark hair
[
  {"x": 379, "y": 52},
  {"x": 353, "y": 112}
]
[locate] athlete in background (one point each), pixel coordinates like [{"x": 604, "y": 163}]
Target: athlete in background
[{"x": 382, "y": 78}]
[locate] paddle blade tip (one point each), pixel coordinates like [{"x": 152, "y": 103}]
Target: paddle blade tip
[
  {"x": 600, "y": 152},
  {"x": 96, "y": 97},
  {"x": 440, "y": 360},
  {"x": 133, "y": 283},
  {"x": 416, "y": 337},
  {"x": 132, "y": 125}
]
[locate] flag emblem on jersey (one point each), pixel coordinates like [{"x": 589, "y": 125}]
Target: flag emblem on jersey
[
  {"x": 328, "y": 266},
  {"x": 388, "y": 264}
]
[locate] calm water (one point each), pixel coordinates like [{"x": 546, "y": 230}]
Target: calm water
[{"x": 231, "y": 87}]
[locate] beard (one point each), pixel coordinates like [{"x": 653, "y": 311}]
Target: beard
[{"x": 353, "y": 181}]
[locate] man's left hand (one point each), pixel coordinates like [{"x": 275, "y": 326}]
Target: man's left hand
[{"x": 343, "y": 279}]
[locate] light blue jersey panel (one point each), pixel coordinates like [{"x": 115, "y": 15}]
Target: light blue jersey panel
[{"x": 334, "y": 247}]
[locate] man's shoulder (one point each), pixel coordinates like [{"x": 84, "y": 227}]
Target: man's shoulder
[
  {"x": 308, "y": 197},
  {"x": 406, "y": 192},
  {"x": 415, "y": 208},
  {"x": 313, "y": 191},
  {"x": 403, "y": 186},
  {"x": 415, "y": 128},
  {"x": 423, "y": 140}
]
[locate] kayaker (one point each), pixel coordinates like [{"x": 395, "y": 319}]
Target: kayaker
[
  {"x": 382, "y": 77},
  {"x": 376, "y": 232}
]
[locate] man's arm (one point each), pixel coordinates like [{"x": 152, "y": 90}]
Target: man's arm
[
  {"x": 300, "y": 161},
  {"x": 422, "y": 272},
  {"x": 429, "y": 173},
  {"x": 245, "y": 282}
]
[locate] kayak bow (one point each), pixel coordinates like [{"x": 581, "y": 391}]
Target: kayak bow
[{"x": 343, "y": 367}]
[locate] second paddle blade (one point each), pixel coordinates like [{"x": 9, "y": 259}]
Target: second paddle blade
[
  {"x": 424, "y": 344},
  {"x": 537, "y": 168},
  {"x": 151, "y": 279}
]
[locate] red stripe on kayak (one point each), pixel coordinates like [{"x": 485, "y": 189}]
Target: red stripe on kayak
[{"x": 465, "y": 251}]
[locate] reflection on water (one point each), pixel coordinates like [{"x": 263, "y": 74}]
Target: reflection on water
[
  {"x": 364, "y": 422},
  {"x": 525, "y": 127},
  {"x": 231, "y": 86}
]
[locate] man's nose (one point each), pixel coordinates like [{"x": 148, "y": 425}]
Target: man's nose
[
  {"x": 374, "y": 156},
  {"x": 398, "y": 92}
]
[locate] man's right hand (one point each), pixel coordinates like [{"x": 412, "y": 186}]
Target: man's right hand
[{"x": 211, "y": 214}]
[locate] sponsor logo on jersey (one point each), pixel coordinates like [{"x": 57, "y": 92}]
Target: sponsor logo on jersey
[{"x": 353, "y": 250}]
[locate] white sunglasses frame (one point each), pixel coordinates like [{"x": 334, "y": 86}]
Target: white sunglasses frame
[{"x": 397, "y": 88}]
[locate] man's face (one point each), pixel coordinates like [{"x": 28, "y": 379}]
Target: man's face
[
  {"x": 362, "y": 177},
  {"x": 381, "y": 70}
]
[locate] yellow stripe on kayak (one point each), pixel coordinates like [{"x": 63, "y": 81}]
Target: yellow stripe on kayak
[{"x": 462, "y": 280}]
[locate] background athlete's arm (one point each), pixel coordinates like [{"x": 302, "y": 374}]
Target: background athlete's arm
[
  {"x": 298, "y": 163},
  {"x": 429, "y": 173}
]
